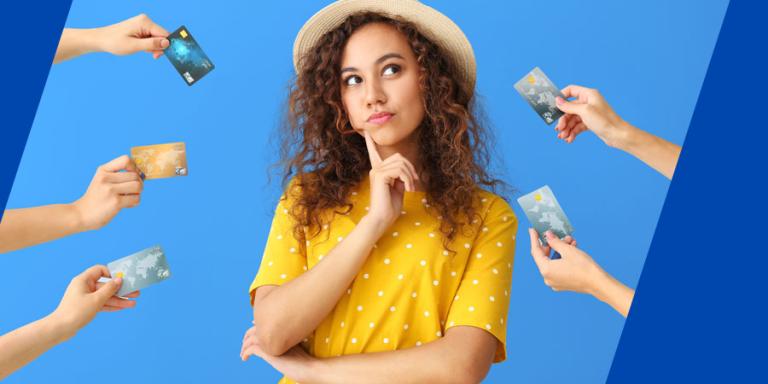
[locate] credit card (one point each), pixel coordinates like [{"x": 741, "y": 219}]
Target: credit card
[
  {"x": 540, "y": 93},
  {"x": 187, "y": 56},
  {"x": 545, "y": 214},
  {"x": 161, "y": 160},
  {"x": 140, "y": 270}
]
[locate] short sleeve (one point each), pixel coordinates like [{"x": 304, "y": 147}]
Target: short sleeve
[
  {"x": 283, "y": 258},
  {"x": 482, "y": 299}
]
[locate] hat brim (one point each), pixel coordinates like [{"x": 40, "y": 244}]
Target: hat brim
[{"x": 434, "y": 25}]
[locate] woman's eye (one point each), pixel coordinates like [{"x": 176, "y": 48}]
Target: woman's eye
[
  {"x": 391, "y": 70},
  {"x": 352, "y": 80}
]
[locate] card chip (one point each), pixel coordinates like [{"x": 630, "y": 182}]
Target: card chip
[{"x": 183, "y": 34}]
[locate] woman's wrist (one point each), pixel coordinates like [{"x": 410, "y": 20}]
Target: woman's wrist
[
  {"x": 76, "y": 218},
  {"x": 319, "y": 371},
  {"x": 614, "y": 293},
  {"x": 601, "y": 285},
  {"x": 373, "y": 226},
  {"x": 85, "y": 40},
  {"x": 56, "y": 329},
  {"x": 627, "y": 138}
]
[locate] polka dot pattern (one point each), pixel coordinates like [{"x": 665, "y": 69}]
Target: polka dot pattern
[{"x": 394, "y": 301}]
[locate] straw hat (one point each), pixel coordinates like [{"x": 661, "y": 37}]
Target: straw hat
[{"x": 434, "y": 25}]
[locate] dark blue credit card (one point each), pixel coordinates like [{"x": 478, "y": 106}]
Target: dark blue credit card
[{"x": 187, "y": 56}]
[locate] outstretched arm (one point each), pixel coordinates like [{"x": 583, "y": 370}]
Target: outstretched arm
[
  {"x": 21, "y": 346},
  {"x": 84, "y": 298},
  {"x": 590, "y": 111},
  {"x": 116, "y": 185},
  {"x": 654, "y": 151},
  {"x": 26, "y": 227},
  {"x": 576, "y": 271},
  {"x": 136, "y": 34}
]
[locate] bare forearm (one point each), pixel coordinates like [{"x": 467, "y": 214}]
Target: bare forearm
[
  {"x": 31, "y": 226},
  {"x": 654, "y": 151},
  {"x": 76, "y": 42},
  {"x": 614, "y": 293},
  {"x": 430, "y": 363},
  {"x": 20, "y": 346},
  {"x": 290, "y": 312}
]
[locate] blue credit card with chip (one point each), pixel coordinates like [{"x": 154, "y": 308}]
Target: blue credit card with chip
[
  {"x": 140, "y": 270},
  {"x": 545, "y": 214},
  {"x": 540, "y": 93},
  {"x": 187, "y": 56}
]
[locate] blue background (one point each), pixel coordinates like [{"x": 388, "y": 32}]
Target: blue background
[
  {"x": 648, "y": 59},
  {"x": 699, "y": 315}
]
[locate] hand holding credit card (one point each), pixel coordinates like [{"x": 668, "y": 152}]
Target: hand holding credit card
[{"x": 545, "y": 214}]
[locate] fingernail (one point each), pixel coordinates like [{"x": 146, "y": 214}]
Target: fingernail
[
  {"x": 559, "y": 100},
  {"x": 549, "y": 234},
  {"x": 118, "y": 280},
  {"x": 165, "y": 43}
]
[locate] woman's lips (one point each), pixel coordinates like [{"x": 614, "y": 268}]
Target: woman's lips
[{"x": 380, "y": 118}]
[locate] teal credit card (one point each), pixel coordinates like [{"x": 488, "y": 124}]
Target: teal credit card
[
  {"x": 140, "y": 270},
  {"x": 545, "y": 214},
  {"x": 187, "y": 56},
  {"x": 540, "y": 93}
]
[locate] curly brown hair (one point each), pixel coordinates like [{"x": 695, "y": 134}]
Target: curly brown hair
[{"x": 326, "y": 163}]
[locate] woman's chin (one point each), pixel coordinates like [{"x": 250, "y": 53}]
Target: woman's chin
[{"x": 387, "y": 136}]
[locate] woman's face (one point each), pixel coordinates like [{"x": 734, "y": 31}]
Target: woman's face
[{"x": 380, "y": 84}]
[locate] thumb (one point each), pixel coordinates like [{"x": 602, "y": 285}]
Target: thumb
[
  {"x": 151, "y": 44},
  {"x": 557, "y": 244},
  {"x": 569, "y": 106},
  {"x": 536, "y": 250},
  {"x": 108, "y": 290}
]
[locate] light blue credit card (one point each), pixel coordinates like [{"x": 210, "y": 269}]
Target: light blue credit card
[
  {"x": 545, "y": 214},
  {"x": 140, "y": 270}
]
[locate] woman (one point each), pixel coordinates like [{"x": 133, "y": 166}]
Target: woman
[{"x": 384, "y": 240}]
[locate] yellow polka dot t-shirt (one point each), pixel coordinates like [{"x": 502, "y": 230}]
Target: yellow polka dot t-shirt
[{"x": 411, "y": 289}]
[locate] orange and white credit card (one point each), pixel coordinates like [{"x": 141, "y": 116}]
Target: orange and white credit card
[{"x": 161, "y": 160}]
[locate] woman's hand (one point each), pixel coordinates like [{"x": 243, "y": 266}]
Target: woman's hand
[
  {"x": 296, "y": 363},
  {"x": 136, "y": 34},
  {"x": 116, "y": 185},
  {"x": 591, "y": 112},
  {"x": 575, "y": 271},
  {"x": 85, "y": 297},
  {"x": 390, "y": 179}
]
